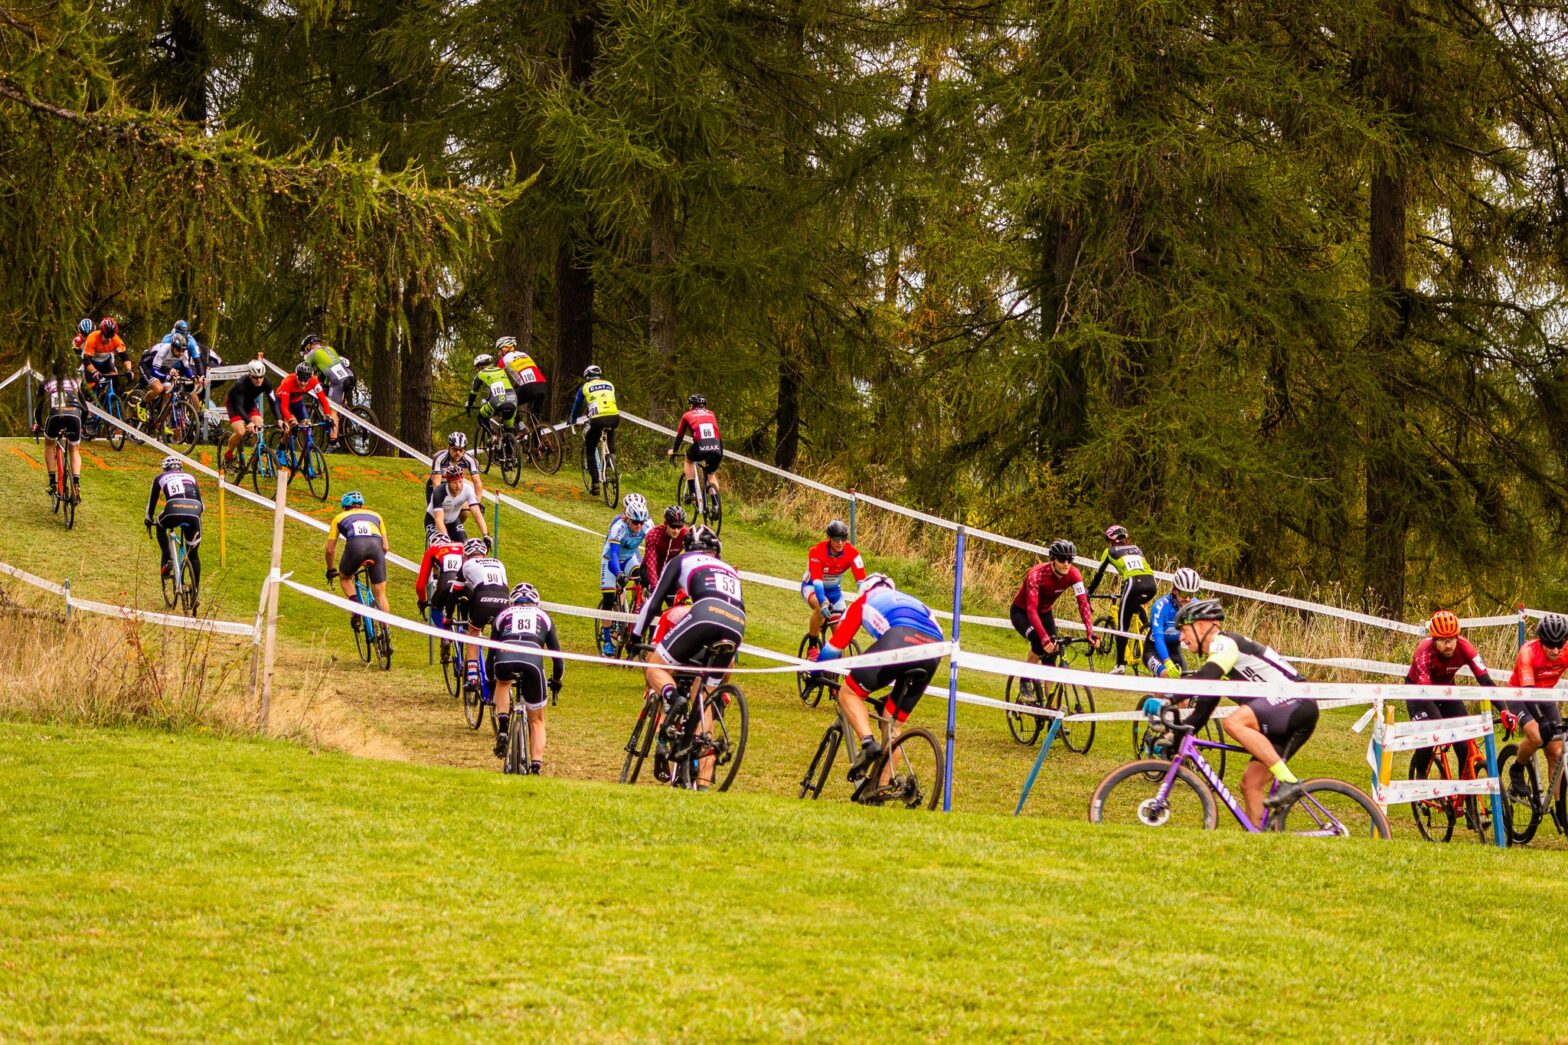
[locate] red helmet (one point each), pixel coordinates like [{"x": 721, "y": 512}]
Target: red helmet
[
  {"x": 108, "y": 328},
  {"x": 1443, "y": 625}
]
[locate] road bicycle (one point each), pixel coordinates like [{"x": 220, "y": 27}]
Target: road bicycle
[
  {"x": 1523, "y": 816},
  {"x": 1104, "y": 625},
  {"x": 477, "y": 698},
  {"x": 541, "y": 442},
  {"x": 361, "y": 441},
  {"x": 179, "y": 584},
  {"x": 66, "y": 494},
  {"x": 1436, "y": 817},
  {"x": 908, "y": 772},
  {"x": 1067, "y": 697},
  {"x": 519, "y": 740},
  {"x": 371, "y": 637},
  {"x": 629, "y": 597},
  {"x": 609, "y": 474},
  {"x": 497, "y": 444},
  {"x": 1146, "y": 792},
  {"x": 701, "y": 499},
  {"x": 813, "y": 684},
  {"x": 300, "y": 453},
  {"x": 109, "y": 402},
  {"x": 254, "y": 456},
  {"x": 704, "y": 738},
  {"x": 452, "y": 664}
]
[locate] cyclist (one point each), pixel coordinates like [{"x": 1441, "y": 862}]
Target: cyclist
[
  {"x": 182, "y": 509},
  {"x": 821, "y": 585},
  {"x": 365, "y": 548},
  {"x": 330, "y": 368},
  {"x": 707, "y": 448},
  {"x": 1539, "y": 664},
  {"x": 596, "y": 402},
  {"x": 894, "y": 621},
  {"x": 1436, "y": 661},
  {"x": 101, "y": 352},
  {"x": 532, "y": 386},
  {"x": 524, "y": 623},
  {"x": 500, "y": 396},
  {"x": 291, "y": 394},
  {"x": 444, "y": 511},
  {"x": 59, "y": 412},
  {"x": 159, "y": 363},
  {"x": 1162, "y": 644},
  {"x": 622, "y": 555},
  {"x": 485, "y": 590},
  {"x": 244, "y": 405},
  {"x": 1271, "y": 729},
  {"x": 195, "y": 353},
  {"x": 84, "y": 330},
  {"x": 663, "y": 544},
  {"x": 456, "y": 452},
  {"x": 440, "y": 582},
  {"x": 1031, "y": 613},
  {"x": 1137, "y": 585},
  {"x": 717, "y": 614}
]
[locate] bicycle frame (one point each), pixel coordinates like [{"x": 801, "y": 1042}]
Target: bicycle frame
[
  {"x": 176, "y": 537},
  {"x": 1190, "y": 750}
]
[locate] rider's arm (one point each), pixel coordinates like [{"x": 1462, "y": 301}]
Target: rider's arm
[
  {"x": 680, "y": 430},
  {"x": 661, "y": 593},
  {"x": 332, "y": 539},
  {"x": 1032, "y": 604},
  {"x": 815, "y": 567},
  {"x": 1477, "y": 668},
  {"x": 1525, "y": 669},
  {"x": 1203, "y": 707},
  {"x": 1085, "y": 611},
  {"x": 1105, "y": 560},
  {"x": 422, "y": 584},
  {"x": 479, "y": 517},
  {"x": 321, "y": 397},
  {"x": 473, "y": 390},
  {"x": 1421, "y": 666},
  {"x": 857, "y": 565},
  {"x": 437, "y": 509},
  {"x": 152, "y": 500},
  {"x": 579, "y": 403},
  {"x": 848, "y": 624},
  {"x": 553, "y": 642},
  {"x": 1157, "y": 629}
]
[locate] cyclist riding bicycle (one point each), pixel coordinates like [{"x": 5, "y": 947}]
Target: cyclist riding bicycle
[
  {"x": 527, "y": 377},
  {"x": 1539, "y": 665},
  {"x": 663, "y": 544},
  {"x": 1162, "y": 644},
  {"x": 59, "y": 412},
  {"x": 457, "y": 453},
  {"x": 447, "y": 504},
  {"x": 1137, "y": 585},
  {"x": 332, "y": 369},
  {"x": 182, "y": 509},
  {"x": 1031, "y": 611},
  {"x": 365, "y": 548},
  {"x": 194, "y": 352},
  {"x": 160, "y": 363},
  {"x": 707, "y": 448},
  {"x": 291, "y": 394},
  {"x": 484, "y": 590},
  {"x": 524, "y": 623},
  {"x": 595, "y": 401},
  {"x": 822, "y": 583},
  {"x": 1271, "y": 729},
  {"x": 622, "y": 554},
  {"x": 244, "y": 405},
  {"x": 894, "y": 621},
  {"x": 102, "y": 350},
  {"x": 440, "y": 582},
  {"x": 1436, "y": 661},
  {"x": 500, "y": 397}
]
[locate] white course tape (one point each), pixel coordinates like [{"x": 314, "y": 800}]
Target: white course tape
[
  {"x": 1396, "y": 792},
  {"x": 37, "y": 582},
  {"x": 107, "y": 609},
  {"x": 23, "y": 369}
]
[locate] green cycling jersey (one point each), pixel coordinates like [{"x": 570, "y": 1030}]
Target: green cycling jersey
[
  {"x": 323, "y": 359},
  {"x": 1127, "y": 559}
]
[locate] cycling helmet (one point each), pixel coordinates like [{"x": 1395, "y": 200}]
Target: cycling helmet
[
  {"x": 702, "y": 538},
  {"x": 838, "y": 531},
  {"x": 309, "y": 339},
  {"x": 525, "y": 593},
  {"x": 457, "y": 441},
  {"x": 635, "y": 508},
  {"x": 453, "y": 470},
  {"x": 1200, "y": 609},
  {"x": 1116, "y": 533},
  {"x": 675, "y": 515},
  {"x": 474, "y": 547},
  {"x": 697, "y": 400},
  {"x": 1553, "y": 630},
  {"x": 591, "y": 373},
  {"x": 172, "y": 464},
  {"x": 85, "y": 327},
  {"x": 877, "y": 580},
  {"x": 483, "y": 360},
  {"x": 179, "y": 342},
  {"x": 1062, "y": 550},
  {"x": 353, "y": 499},
  {"x": 501, "y": 345},
  {"x": 181, "y": 327},
  {"x": 303, "y": 371},
  {"x": 1443, "y": 625},
  {"x": 108, "y": 328},
  {"x": 1187, "y": 581},
  {"x": 256, "y": 368}
]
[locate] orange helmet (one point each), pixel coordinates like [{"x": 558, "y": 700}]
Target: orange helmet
[{"x": 1443, "y": 625}]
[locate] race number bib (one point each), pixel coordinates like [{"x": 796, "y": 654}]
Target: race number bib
[
  {"x": 593, "y": 408},
  {"x": 339, "y": 372},
  {"x": 363, "y": 528},
  {"x": 526, "y": 376},
  {"x": 706, "y": 432},
  {"x": 499, "y": 389},
  {"x": 1134, "y": 562},
  {"x": 452, "y": 563},
  {"x": 728, "y": 585},
  {"x": 494, "y": 575}
]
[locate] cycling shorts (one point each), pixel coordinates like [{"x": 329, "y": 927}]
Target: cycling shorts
[
  {"x": 505, "y": 409},
  {"x": 866, "y": 681},
  {"x": 710, "y": 620},
  {"x": 445, "y": 591},
  {"x": 184, "y": 514},
  {"x": 1427, "y": 710},
  {"x": 101, "y": 364},
  {"x": 484, "y": 603},
  {"x": 338, "y": 389},
  {"x": 835, "y": 594},
  {"x": 254, "y": 415},
  {"x": 607, "y": 576},
  {"x": 1172, "y": 643},
  {"x": 709, "y": 455},
  {"x": 68, "y": 425},
  {"x": 1288, "y": 725},
  {"x": 1020, "y": 619},
  {"x": 294, "y": 407},
  {"x": 533, "y": 396},
  {"x": 361, "y": 550},
  {"x": 1547, "y": 714},
  {"x": 454, "y": 530},
  {"x": 525, "y": 670}
]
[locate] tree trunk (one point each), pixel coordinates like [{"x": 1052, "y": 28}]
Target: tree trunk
[
  {"x": 385, "y": 370},
  {"x": 515, "y": 309},
  {"x": 188, "y": 59},
  {"x": 418, "y": 366},
  {"x": 661, "y": 303},
  {"x": 786, "y": 443},
  {"x": 574, "y": 286}
]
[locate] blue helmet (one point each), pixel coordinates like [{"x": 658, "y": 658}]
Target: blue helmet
[
  {"x": 86, "y": 326},
  {"x": 181, "y": 327},
  {"x": 353, "y": 499}
]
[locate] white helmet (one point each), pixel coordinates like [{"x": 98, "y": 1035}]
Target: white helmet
[
  {"x": 483, "y": 360},
  {"x": 173, "y": 464},
  {"x": 475, "y": 548},
  {"x": 1187, "y": 581},
  {"x": 256, "y": 368},
  {"x": 635, "y": 508},
  {"x": 504, "y": 343},
  {"x": 877, "y": 580}
]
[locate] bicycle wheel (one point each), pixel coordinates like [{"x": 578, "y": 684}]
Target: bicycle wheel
[
  {"x": 1332, "y": 809},
  {"x": 383, "y": 646},
  {"x": 1024, "y": 726},
  {"x": 715, "y": 508},
  {"x": 67, "y": 502},
  {"x": 516, "y": 742},
  {"x": 1105, "y": 643},
  {"x": 314, "y": 465},
  {"x": 363, "y": 640},
  {"x": 1435, "y": 816},
  {"x": 611, "y": 487},
  {"x": 1130, "y": 795},
  {"x": 171, "y": 592},
  {"x": 473, "y": 705},
  {"x": 1521, "y": 816},
  {"x": 641, "y": 741},
  {"x": 546, "y": 449},
  {"x": 482, "y": 447},
  {"x": 731, "y": 723},
  {"x": 809, "y": 683},
  {"x": 263, "y": 470},
  {"x": 822, "y": 762},
  {"x": 115, "y": 436},
  {"x": 511, "y": 459},
  {"x": 909, "y": 775},
  {"x": 136, "y": 409},
  {"x": 188, "y": 593},
  {"x": 1073, "y": 700},
  {"x": 361, "y": 441},
  {"x": 451, "y": 668},
  {"x": 184, "y": 424},
  {"x": 587, "y": 473}
]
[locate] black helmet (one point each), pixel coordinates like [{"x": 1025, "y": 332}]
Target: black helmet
[
  {"x": 697, "y": 400},
  {"x": 308, "y": 340},
  {"x": 703, "y": 539},
  {"x": 838, "y": 531},
  {"x": 675, "y": 515},
  {"x": 1553, "y": 630},
  {"x": 303, "y": 372},
  {"x": 1205, "y": 609},
  {"x": 1062, "y": 550}
]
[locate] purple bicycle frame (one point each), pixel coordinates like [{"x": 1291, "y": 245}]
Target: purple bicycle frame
[{"x": 1188, "y": 750}]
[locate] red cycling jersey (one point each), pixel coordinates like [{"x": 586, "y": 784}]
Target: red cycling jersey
[
  {"x": 668, "y": 619},
  {"x": 290, "y": 387},
  {"x": 433, "y": 555},
  {"x": 1039, "y": 591},
  {"x": 1532, "y": 668},
  {"x": 701, "y": 425},
  {"x": 658, "y": 548},
  {"x": 1430, "y": 668},
  {"x": 825, "y": 565}
]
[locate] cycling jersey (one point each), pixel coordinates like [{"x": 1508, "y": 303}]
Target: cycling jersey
[
  {"x": 595, "y": 399},
  {"x": 532, "y": 627},
  {"x": 620, "y": 554},
  {"x": 660, "y": 547},
  {"x": 1128, "y": 560},
  {"x": 825, "y": 569},
  {"x": 292, "y": 392},
  {"x": 442, "y": 561},
  {"x": 702, "y": 426},
  {"x": 484, "y": 581},
  {"x": 96, "y": 345},
  {"x": 161, "y": 360},
  {"x": 1236, "y": 657},
  {"x": 62, "y": 396},
  {"x": 195, "y": 354},
  {"x": 700, "y": 575},
  {"x": 1533, "y": 669},
  {"x": 1428, "y": 667},
  {"x": 1164, "y": 636},
  {"x": 359, "y": 522},
  {"x": 245, "y": 396},
  {"x": 451, "y": 505},
  {"x": 326, "y": 362},
  {"x": 894, "y": 621},
  {"x": 882, "y": 609},
  {"x": 1038, "y": 594},
  {"x": 469, "y": 463},
  {"x": 496, "y": 386},
  {"x": 175, "y": 487},
  {"x": 521, "y": 368}
]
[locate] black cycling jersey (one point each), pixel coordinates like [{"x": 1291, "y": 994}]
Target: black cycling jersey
[
  {"x": 530, "y": 626},
  {"x": 701, "y": 576},
  {"x": 174, "y": 486},
  {"x": 245, "y": 396}
]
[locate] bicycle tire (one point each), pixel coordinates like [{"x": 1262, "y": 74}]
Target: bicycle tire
[
  {"x": 1073, "y": 699},
  {"x": 641, "y": 741},
  {"x": 263, "y": 469},
  {"x": 511, "y": 460},
  {"x": 451, "y": 670},
  {"x": 809, "y": 684},
  {"x": 184, "y": 423},
  {"x": 115, "y": 435},
  {"x": 611, "y": 486},
  {"x": 822, "y": 762},
  {"x": 363, "y": 641},
  {"x": 1521, "y": 817},
  {"x": 1147, "y": 774},
  {"x": 473, "y": 705},
  {"x": 587, "y": 474},
  {"x": 68, "y": 511},
  {"x": 904, "y": 784},
  {"x": 683, "y": 495},
  {"x": 384, "y": 647},
  {"x": 362, "y": 442},
  {"x": 1105, "y": 643},
  {"x": 482, "y": 447},
  {"x": 547, "y": 451},
  {"x": 136, "y": 410},
  {"x": 1024, "y": 727},
  {"x": 1323, "y": 786},
  {"x": 1434, "y": 817},
  {"x": 317, "y": 477},
  {"x": 729, "y": 752},
  {"x": 714, "y": 508},
  {"x": 187, "y": 585},
  {"x": 171, "y": 592}
]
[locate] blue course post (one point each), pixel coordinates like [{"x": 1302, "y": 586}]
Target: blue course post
[
  {"x": 1499, "y": 838},
  {"x": 1039, "y": 760},
  {"x": 1522, "y": 620},
  {"x": 952, "y": 668}
]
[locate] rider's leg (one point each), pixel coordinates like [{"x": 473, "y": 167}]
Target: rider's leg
[
  {"x": 1529, "y": 742},
  {"x": 346, "y": 583},
  {"x": 193, "y": 551},
  {"x": 1243, "y": 729},
  {"x": 590, "y": 455},
  {"x": 814, "y": 628},
  {"x": 51, "y": 462},
  {"x": 380, "y": 591},
  {"x": 536, "y": 733},
  {"x": 1255, "y": 781},
  {"x": 236, "y": 433}
]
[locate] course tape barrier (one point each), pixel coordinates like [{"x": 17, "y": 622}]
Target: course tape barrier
[
  {"x": 1396, "y": 792},
  {"x": 128, "y": 613},
  {"x": 1410, "y": 736}
]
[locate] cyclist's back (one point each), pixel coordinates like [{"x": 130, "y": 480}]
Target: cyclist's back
[{"x": 718, "y": 607}]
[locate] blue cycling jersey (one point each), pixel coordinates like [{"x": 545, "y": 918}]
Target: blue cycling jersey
[
  {"x": 884, "y": 609},
  {"x": 622, "y": 545},
  {"x": 1162, "y": 626}
]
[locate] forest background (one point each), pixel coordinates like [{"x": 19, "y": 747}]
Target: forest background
[{"x": 1279, "y": 287}]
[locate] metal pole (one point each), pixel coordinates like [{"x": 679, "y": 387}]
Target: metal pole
[
  {"x": 270, "y": 629},
  {"x": 1499, "y": 838},
  {"x": 495, "y": 529},
  {"x": 1045, "y": 748},
  {"x": 952, "y": 667},
  {"x": 853, "y": 500},
  {"x": 1522, "y": 620},
  {"x": 67, "y": 587},
  {"x": 223, "y": 529},
  {"x": 28, "y": 381}
]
